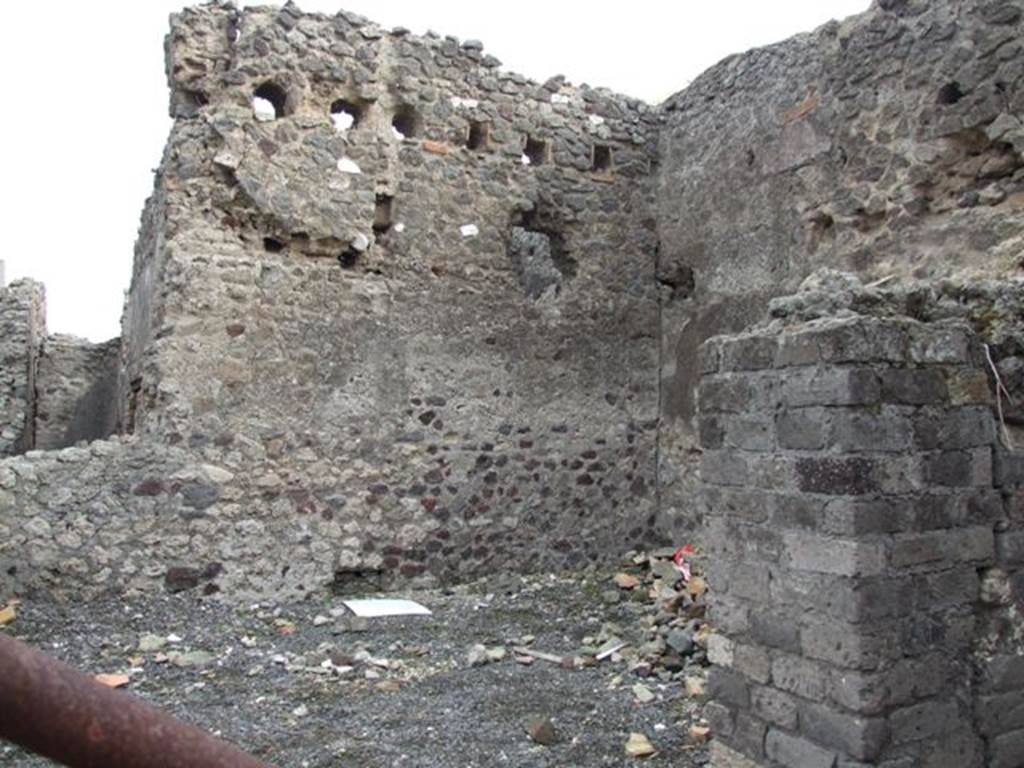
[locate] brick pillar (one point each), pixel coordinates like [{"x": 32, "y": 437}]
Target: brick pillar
[{"x": 848, "y": 493}]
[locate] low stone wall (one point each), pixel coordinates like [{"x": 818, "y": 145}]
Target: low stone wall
[
  {"x": 126, "y": 516},
  {"x": 864, "y": 609},
  {"x": 22, "y": 326}
]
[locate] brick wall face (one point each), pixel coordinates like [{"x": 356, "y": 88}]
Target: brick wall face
[{"x": 850, "y": 495}]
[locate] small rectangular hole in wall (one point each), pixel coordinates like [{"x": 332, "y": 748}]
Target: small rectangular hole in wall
[
  {"x": 479, "y": 136},
  {"x": 382, "y": 214},
  {"x": 603, "y": 162},
  {"x": 536, "y": 151}
]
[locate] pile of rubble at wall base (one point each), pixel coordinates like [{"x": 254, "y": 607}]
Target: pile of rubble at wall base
[{"x": 676, "y": 631}]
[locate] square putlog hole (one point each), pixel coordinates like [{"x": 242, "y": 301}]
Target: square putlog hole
[
  {"x": 603, "y": 161},
  {"x": 536, "y": 151},
  {"x": 479, "y": 139}
]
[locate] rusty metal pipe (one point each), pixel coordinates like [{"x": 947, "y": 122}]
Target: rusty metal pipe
[{"x": 50, "y": 708}]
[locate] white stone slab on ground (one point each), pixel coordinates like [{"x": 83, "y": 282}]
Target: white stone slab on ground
[{"x": 374, "y": 607}]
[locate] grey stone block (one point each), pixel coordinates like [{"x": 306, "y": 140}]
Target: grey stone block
[
  {"x": 775, "y": 629},
  {"x": 1007, "y": 750},
  {"x": 858, "y": 517},
  {"x": 750, "y": 581},
  {"x": 709, "y": 355},
  {"x": 743, "y": 504},
  {"x": 941, "y": 344},
  {"x": 830, "y": 386},
  {"x": 1003, "y": 672},
  {"x": 1009, "y": 468},
  {"x": 724, "y": 468},
  {"x": 750, "y": 433},
  {"x": 1010, "y": 548},
  {"x": 802, "y": 429},
  {"x": 753, "y": 662},
  {"x": 914, "y": 386},
  {"x": 800, "y": 676},
  {"x": 865, "y": 693},
  {"x": 960, "y": 469},
  {"x": 950, "y": 588},
  {"x": 748, "y": 735},
  {"x": 952, "y": 546},
  {"x": 720, "y": 717},
  {"x": 859, "y": 339},
  {"x": 748, "y": 353},
  {"x": 955, "y": 428},
  {"x": 725, "y": 393},
  {"x": 999, "y": 713},
  {"x": 860, "y": 737},
  {"x": 794, "y": 751},
  {"x": 711, "y": 431},
  {"x": 849, "y": 476},
  {"x": 864, "y": 430},
  {"x": 774, "y": 706},
  {"x": 842, "y": 557},
  {"x": 798, "y": 512},
  {"x": 848, "y": 646},
  {"x": 728, "y": 687},
  {"x": 923, "y": 721}
]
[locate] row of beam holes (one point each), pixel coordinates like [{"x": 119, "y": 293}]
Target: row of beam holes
[
  {"x": 271, "y": 101},
  {"x": 538, "y": 152}
]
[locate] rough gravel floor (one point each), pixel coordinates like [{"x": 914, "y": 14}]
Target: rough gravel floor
[{"x": 269, "y": 680}]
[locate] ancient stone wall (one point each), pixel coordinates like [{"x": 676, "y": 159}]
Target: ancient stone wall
[
  {"x": 886, "y": 144},
  {"x": 428, "y": 354},
  {"x": 76, "y": 389},
  {"x": 22, "y": 327},
  {"x": 420, "y": 317},
  {"x": 854, "y": 516}
]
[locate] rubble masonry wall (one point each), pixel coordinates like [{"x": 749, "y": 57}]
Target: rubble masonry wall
[
  {"x": 887, "y": 144},
  {"x": 22, "y": 326},
  {"x": 417, "y": 357}
]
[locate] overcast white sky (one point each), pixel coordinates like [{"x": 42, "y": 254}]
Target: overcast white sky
[{"x": 85, "y": 115}]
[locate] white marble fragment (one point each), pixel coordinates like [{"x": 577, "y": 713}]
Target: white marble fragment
[{"x": 347, "y": 165}]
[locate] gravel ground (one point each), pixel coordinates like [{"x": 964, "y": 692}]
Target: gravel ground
[{"x": 268, "y": 679}]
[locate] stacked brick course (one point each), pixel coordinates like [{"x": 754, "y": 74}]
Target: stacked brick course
[{"x": 850, "y": 499}]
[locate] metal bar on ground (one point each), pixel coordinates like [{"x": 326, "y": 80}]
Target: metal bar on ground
[{"x": 60, "y": 713}]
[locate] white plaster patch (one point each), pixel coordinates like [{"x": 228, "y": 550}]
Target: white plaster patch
[
  {"x": 524, "y": 159},
  {"x": 458, "y": 101},
  {"x": 360, "y": 242},
  {"x": 596, "y": 120},
  {"x": 560, "y": 98},
  {"x": 399, "y": 227},
  {"x": 346, "y": 165},
  {"x": 342, "y": 121},
  {"x": 469, "y": 230},
  {"x": 263, "y": 109}
]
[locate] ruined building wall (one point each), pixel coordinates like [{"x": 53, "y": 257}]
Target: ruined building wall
[
  {"x": 346, "y": 352},
  {"x": 75, "y": 390},
  {"x": 22, "y": 326},
  {"x": 419, "y": 356},
  {"x": 886, "y": 144}
]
